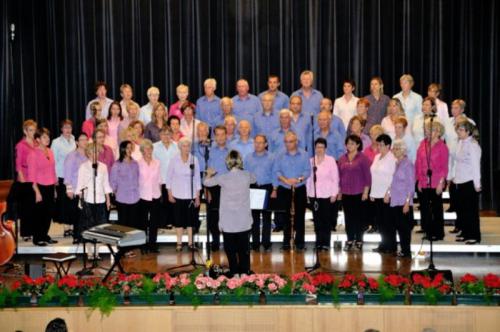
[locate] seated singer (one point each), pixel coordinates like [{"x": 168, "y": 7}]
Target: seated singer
[
  {"x": 235, "y": 217},
  {"x": 291, "y": 169}
]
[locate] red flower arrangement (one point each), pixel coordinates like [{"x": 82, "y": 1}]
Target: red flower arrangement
[{"x": 432, "y": 288}]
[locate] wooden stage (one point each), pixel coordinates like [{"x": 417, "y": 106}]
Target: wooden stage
[{"x": 260, "y": 318}]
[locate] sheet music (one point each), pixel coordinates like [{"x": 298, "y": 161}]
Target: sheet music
[{"x": 258, "y": 199}]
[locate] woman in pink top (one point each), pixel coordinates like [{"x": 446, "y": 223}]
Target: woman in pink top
[
  {"x": 182, "y": 92},
  {"x": 150, "y": 194},
  {"x": 432, "y": 154},
  {"x": 42, "y": 175},
  {"x": 323, "y": 193},
  {"x": 89, "y": 125},
  {"x": 26, "y": 195},
  {"x": 114, "y": 119}
]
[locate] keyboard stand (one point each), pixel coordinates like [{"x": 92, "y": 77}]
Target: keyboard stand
[{"x": 117, "y": 256}]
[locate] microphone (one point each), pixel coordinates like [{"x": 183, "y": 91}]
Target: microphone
[{"x": 12, "y": 31}]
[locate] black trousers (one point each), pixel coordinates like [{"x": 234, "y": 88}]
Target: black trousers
[
  {"x": 61, "y": 204},
  {"x": 335, "y": 214},
  {"x": 43, "y": 213},
  {"x": 403, "y": 224},
  {"x": 128, "y": 214},
  {"x": 26, "y": 208},
  {"x": 353, "y": 215},
  {"x": 431, "y": 213},
  {"x": 452, "y": 190},
  {"x": 213, "y": 215},
  {"x": 266, "y": 222},
  {"x": 237, "y": 248},
  {"x": 73, "y": 215},
  {"x": 468, "y": 211},
  {"x": 384, "y": 224},
  {"x": 322, "y": 217},
  {"x": 149, "y": 216},
  {"x": 300, "y": 201},
  {"x": 166, "y": 209}
]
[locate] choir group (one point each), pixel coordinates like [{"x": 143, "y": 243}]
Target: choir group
[{"x": 366, "y": 155}]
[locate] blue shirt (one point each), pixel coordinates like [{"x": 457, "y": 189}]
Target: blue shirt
[
  {"x": 243, "y": 148},
  {"x": 217, "y": 159},
  {"x": 337, "y": 125},
  {"x": 266, "y": 123},
  {"x": 208, "y": 110},
  {"x": 291, "y": 166},
  {"x": 335, "y": 143},
  {"x": 250, "y": 105},
  {"x": 310, "y": 104},
  {"x": 281, "y": 100},
  {"x": 302, "y": 127},
  {"x": 261, "y": 166},
  {"x": 200, "y": 152},
  {"x": 411, "y": 104},
  {"x": 276, "y": 142}
]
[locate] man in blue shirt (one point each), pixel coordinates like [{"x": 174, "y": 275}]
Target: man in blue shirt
[
  {"x": 336, "y": 123},
  {"x": 260, "y": 163},
  {"x": 208, "y": 106},
  {"x": 311, "y": 98},
  {"x": 290, "y": 170},
  {"x": 301, "y": 123},
  {"x": 243, "y": 143},
  {"x": 280, "y": 99},
  {"x": 335, "y": 143},
  {"x": 216, "y": 161},
  {"x": 277, "y": 141},
  {"x": 267, "y": 121},
  {"x": 245, "y": 105}
]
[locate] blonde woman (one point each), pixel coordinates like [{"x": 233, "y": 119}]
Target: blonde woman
[{"x": 158, "y": 121}]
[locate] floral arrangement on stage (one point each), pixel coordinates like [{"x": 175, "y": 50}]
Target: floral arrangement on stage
[{"x": 198, "y": 289}]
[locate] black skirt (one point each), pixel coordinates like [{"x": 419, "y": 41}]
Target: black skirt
[
  {"x": 184, "y": 213},
  {"x": 92, "y": 215}
]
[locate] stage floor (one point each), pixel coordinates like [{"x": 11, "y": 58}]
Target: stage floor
[{"x": 478, "y": 259}]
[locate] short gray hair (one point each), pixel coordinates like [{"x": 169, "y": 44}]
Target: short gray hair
[
  {"x": 184, "y": 141},
  {"x": 146, "y": 143},
  {"x": 400, "y": 144}
]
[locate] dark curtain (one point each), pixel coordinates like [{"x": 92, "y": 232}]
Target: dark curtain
[{"x": 62, "y": 47}]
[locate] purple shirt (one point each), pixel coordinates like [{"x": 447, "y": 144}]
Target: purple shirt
[
  {"x": 354, "y": 175},
  {"x": 403, "y": 183},
  {"x": 376, "y": 112},
  {"x": 72, "y": 164},
  {"x": 124, "y": 179}
]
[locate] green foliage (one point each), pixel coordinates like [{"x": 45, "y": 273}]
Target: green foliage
[{"x": 103, "y": 299}]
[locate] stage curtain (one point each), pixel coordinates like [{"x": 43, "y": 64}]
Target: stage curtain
[{"x": 62, "y": 47}]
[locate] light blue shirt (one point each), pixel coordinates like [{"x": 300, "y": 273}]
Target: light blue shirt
[
  {"x": 164, "y": 156},
  {"x": 243, "y": 148},
  {"x": 266, "y": 123},
  {"x": 276, "y": 142},
  {"x": 61, "y": 147},
  {"x": 208, "y": 110},
  {"x": 335, "y": 143},
  {"x": 261, "y": 165},
  {"x": 412, "y": 105},
  {"x": 201, "y": 151},
  {"x": 217, "y": 159},
  {"x": 302, "y": 127},
  {"x": 249, "y": 105},
  {"x": 291, "y": 166},
  {"x": 310, "y": 104},
  {"x": 281, "y": 100}
]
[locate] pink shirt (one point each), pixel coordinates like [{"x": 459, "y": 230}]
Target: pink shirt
[
  {"x": 113, "y": 126},
  {"x": 327, "y": 179},
  {"x": 438, "y": 163},
  {"x": 23, "y": 149},
  {"x": 107, "y": 157},
  {"x": 175, "y": 110},
  {"x": 370, "y": 153},
  {"x": 88, "y": 127},
  {"x": 149, "y": 180},
  {"x": 41, "y": 169}
]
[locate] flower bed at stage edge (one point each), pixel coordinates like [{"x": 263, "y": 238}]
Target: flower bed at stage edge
[{"x": 257, "y": 289}]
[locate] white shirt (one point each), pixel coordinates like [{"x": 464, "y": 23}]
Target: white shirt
[
  {"x": 145, "y": 114},
  {"x": 86, "y": 182},
  {"x": 382, "y": 170},
  {"x": 442, "y": 110},
  {"x": 149, "y": 179},
  {"x": 113, "y": 144},
  {"x": 179, "y": 177},
  {"x": 452, "y": 143},
  {"x": 164, "y": 155},
  {"x": 137, "y": 154},
  {"x": 123, "y": 104},
  {"x": 104, "y": 111},
  {"x": 412, "y": 105},
  {"x": 187, "y": 129},
  {"x": 389, "y": 127},
  {"x": 61, "y": 147},
  {"x": 468, "y": 162},
  {"x": 345, "y": 109}
]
